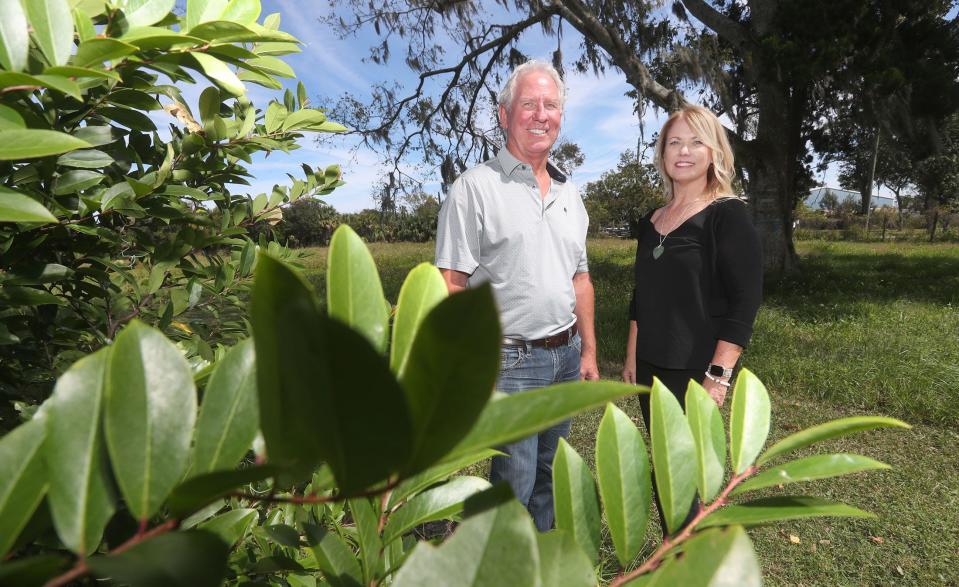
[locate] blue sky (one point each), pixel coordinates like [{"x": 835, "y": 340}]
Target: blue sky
[{"x": 598, "y": 115}]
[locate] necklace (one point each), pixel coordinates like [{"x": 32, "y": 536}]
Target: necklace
[{"x": 659, "y": 249}]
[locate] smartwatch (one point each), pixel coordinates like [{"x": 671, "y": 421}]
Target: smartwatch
[{"x": 719, "y": 371}]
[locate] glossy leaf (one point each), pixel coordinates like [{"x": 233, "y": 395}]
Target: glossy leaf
[
  {"x": 423, "y": 289},
  {"x": 622, "y": 469},
  {"x": 76, "y": 180},
  {"x": 231, "y": 525},
  {"x": 150, "y": 412},
  {"x": 441, "y": 502},
  {"x": 827, "y": 430},
  {"x": 55, "y": 82},
  {"x": 510, "y": 417},
  {"x": 674, "y": 456},
  {"x": 17, "y": 207},
  {"x": 219, "y": 73},
  {"x": 451, "y": 372},
  {"x": 80, "y": 494},
  {"x": 85, "y": 159},
  {"x": 38, "y": 274},
  {"x": 718, "y": 558},
  {"x": 23, "y": 480},
  {"x": 317, "y": 381},
  {"x": 778, "y": 509},
  {"x": 706, "y": 424},
  {"x": 748, "y": 420},
  {"x": 145, "y": 12},
  {"x": 497, "y": 547},
  {"x": 242, "y": 11},
  {"x": 81, "y": 72},
  {"x": 367, "y": 519},
  {"x": 575, "y": 499},
  {"x": 562, "y": 563},
  {"x": 334, "y": 557},
  {"x": 95, "y": 51},
  {"x": 14, "y": 38},
  {"x": 195, "y": 558},
  {"x": 809, "y": 469},
  {"x": 34, "y": 571},
  {"x": 436, "y": 474},
  {"x": 200, "y": 11},
  {"x": 301, "y": 118},
  {"x": 193, "y": 494},
  {"x": 30, "y": 143},
  {"x": 283, "y": 535},
  {"x": 52, "y": 24},
  {"x": 228, "y": 418},
  {"x": 354, "y": 294},
  {"x": 10, "y": 118}
]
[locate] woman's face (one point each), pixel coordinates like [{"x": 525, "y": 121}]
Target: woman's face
[{"x": 685, "y": 155}]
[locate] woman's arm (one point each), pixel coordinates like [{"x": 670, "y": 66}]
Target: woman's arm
[
  {"x": 727, "y": 354},
  {"x": 629, "y": 366}
]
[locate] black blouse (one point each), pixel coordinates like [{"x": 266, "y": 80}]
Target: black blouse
[{"x": 705, "y": 286}]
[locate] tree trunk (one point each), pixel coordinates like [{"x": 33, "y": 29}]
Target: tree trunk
[{"x": 865, "y": 191}]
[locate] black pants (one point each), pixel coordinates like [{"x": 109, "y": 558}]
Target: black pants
[{"x": 676, "y": 380}]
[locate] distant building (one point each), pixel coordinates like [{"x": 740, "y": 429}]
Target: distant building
[{"x": 815, "y": 198}]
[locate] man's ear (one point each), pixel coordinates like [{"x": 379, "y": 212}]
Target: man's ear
[{"x": 503, "y": 118}]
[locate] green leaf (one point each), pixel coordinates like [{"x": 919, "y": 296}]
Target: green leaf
[
  {"x": 56, "y": 82},
  {"x": 34, "y": 571},
  {"x": 193, "y": 494},
  {"x": 28, "y": 296},
  {"x": 423, "y": 289},
  {"x": 95, "y": 51},
  {"x": 133, "y": 99},
  {"x": 809, "y": 469},
  {"x": 17, "y": 207},
  {"x": 367, "y": 520},
  {"x": 76, "y": 180},
  {"x": 30, "y": 143},
  {"x": 23, "y": 479},
  {"x": 722, "y": 556},
  {"x": 778, "y": 509},
  {"x": 575, "y": 499},
  {"x": 706, "y": 424},
  {"x": 39, "y": 274},
  {"x": 85, "y": 159},
  {"x": 219, "y": 73},
  {"x": 200, "y": 11},
  {"x": 497, "y": 547},
  {"x": 317, "y": 380},
  {"x": 674, "y": 456},
  {"x": 81, "y": 495},
  {"x": 562, "y": 562},
  {"x": 145, "y": 12},
  {"x": 276, "y": 49},
  {"x": 283, "y": 535},
  {"x": 195, "y": 558},
  {"x": 304, "y": 118},
  {"x": 81, "y": 72},
  {"x": 10, "y": 118},
  {"x": 231, "y": 525},
  {"x": 435, "y": 474},
  {"x": 96, "y": 136},
  {"x": 827, "y": 430},
  {"x": 622, "y": 468},
  {"x": 228, "y": 418},
  {"x": 334, "y": 557},
  {"x": 242, "y": 11},
  {"x": 510, "y": 417},
  {"x": 14, "y": 35},
  {"x": 275, "y": 115},
  {"x": 441, "y": 502},
  {"x": 354, "y": 294},
  {"x": 83, "y": 24},
  {"x": 132, "y": 119},
  {"x": 748, "y": 420},
  {"x": 150, "y": 412},
  {"x": 52, "y": 24},
  {"x": 274, "y": 66},
  {"x": 209, "y": 105},
  {"x": 456, "y": 348}
]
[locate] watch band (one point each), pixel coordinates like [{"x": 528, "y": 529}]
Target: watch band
[{"x": 719, "y": 371}]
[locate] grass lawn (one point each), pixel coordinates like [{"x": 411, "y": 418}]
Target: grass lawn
[{"x": 865, "y": 328}]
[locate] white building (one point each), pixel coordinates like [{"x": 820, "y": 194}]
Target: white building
[{"x": 816, "y": 195}]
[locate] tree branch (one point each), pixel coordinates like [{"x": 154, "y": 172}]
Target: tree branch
[{"x": 719, "y": 23}]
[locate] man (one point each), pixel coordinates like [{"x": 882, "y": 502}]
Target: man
[{"x": 518, "y": 223}]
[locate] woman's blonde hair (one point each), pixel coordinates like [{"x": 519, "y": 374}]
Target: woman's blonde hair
[{"x": 705, "y": 125}]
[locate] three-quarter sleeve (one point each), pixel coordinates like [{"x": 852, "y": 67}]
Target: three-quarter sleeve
[{"x": 739, "y": 265}]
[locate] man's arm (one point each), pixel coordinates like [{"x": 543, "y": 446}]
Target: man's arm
[
  {"x": 456, "y": 280},
  {"x": 583, "y": 288}
]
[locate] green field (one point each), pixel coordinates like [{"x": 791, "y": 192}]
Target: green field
[{"x": 865, "y": 328}]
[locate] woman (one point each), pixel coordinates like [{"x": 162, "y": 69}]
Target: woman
[{"x": 698, "y": 266}]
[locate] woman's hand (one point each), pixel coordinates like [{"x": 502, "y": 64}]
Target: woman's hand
[
  {"x": 629, "y": 369},
  {"x": 716, "y": 390}
]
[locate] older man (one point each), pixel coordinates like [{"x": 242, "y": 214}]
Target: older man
[{"x": 518, "y": 223}]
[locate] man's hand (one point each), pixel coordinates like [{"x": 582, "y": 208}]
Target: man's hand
[
  {"x": 584, "y": 321},
  {"x": 587, "y": 366}
]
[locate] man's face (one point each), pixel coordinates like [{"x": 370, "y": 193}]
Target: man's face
[{"x": 533, "y": 119}]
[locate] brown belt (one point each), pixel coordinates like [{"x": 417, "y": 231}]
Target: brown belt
[{"x": 561, "y": 339}]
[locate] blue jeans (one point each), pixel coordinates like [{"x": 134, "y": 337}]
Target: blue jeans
[{"x": 529, "y": 468}]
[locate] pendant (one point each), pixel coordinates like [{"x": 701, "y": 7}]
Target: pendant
[{"x": 657, "y": 251}]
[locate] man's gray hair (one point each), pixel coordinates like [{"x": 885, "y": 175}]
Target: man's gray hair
[{"x": 506, "y": 94}]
